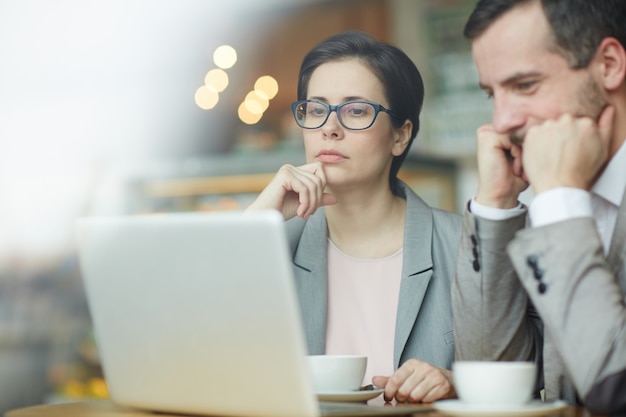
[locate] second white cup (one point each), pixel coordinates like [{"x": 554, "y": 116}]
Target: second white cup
[{"x": 494, "y": 383}]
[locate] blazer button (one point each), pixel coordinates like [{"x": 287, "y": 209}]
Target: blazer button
[
  {"x": 542, "y": 288},
  {"x": 531, "y": 261},
  {"x": 475, "y": 252},
  {"x": 538, "y": 273},
  {"x": 473, "y": 239},
  {"x": 476, "y": 265}
]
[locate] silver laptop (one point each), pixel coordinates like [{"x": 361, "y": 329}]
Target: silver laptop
[{"x": 197, "y": 314}]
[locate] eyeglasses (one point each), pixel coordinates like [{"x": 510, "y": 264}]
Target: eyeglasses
[{"x": 353, "y": 115}]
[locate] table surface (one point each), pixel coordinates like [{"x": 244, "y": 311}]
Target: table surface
[{"x": 108, "y": 409}]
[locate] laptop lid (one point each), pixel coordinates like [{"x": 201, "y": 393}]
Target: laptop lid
[{"x": 197, "y": 313}]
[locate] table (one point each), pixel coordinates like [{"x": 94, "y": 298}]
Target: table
[{"x": 108, "y": 409}]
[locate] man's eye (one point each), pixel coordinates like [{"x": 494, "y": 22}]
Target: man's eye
[{"x": 525, "y": 86}]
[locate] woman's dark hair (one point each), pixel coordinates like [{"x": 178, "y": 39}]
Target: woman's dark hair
[
  {"x": 401, "y": 80},
  {"x": 578, "y": 26}
]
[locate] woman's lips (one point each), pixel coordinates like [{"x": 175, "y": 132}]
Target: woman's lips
[{"x": 329, "y": 155}]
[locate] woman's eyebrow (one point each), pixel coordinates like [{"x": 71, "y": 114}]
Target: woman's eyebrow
[{"x": 343, "y": 100}]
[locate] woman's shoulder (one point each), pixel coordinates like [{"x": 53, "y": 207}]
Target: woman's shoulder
[
  {"x": 415, "y": 202},
  {"x": 447, "y": 228}
]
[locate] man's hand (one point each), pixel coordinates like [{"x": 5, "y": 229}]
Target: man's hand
[
  {"x": 500, "y": 172},
  {"x": 417, "y": 381},
  {"x": 567, "y": 152}
]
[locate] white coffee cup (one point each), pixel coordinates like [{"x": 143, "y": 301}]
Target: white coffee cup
[
  {"x": 337, "y": 373},
  {"x": 494, "y": 383}
]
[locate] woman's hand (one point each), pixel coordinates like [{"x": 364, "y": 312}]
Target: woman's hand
[
  {"x": 416, "y": 381},
  {"x": 295, "y": 191}
]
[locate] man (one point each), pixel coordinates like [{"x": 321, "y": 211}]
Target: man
[{"x": 548, "y": 283}]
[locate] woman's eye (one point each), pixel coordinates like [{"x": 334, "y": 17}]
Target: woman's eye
[
  {"x": 317, "y": 111},
  {"x": 355, "y": 111}
]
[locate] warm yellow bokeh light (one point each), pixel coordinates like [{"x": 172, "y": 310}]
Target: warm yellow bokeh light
[
  {"x": 268, "y": 85},
  {"x": 225, "y": 56},
  {"x": 216, "y": 79},
  {"x": 253, "y": 106},
  {"x": 206, "y": 98},
  {"x": 247, "y": 117},
  {"x": 256, "y": 103}
]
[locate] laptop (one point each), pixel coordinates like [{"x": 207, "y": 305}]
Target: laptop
[{"x": 197, "y": 314}]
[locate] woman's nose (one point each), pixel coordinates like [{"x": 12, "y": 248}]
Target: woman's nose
[{"x": 332, "y": 128}]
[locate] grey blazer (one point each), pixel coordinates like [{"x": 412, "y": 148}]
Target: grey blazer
[
  {"x": 547, "y": 294},
  {"x": 424, "y": 320}
]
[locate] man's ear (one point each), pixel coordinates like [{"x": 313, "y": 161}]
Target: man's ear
[
  {"x": 612, "y": 57},
  {"x": 403, "y": 137}
]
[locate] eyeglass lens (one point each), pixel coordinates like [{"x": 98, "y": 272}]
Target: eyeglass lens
[{"x": 352, "y": 115}]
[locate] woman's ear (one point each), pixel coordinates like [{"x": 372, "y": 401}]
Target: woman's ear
[
  {"x": 402, "y": 138},
  {"x": 612, "y": 58}
]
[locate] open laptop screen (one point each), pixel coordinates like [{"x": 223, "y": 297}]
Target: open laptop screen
[{"x": 197, "y": 313}]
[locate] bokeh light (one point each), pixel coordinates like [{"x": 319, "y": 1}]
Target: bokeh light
[
  {"x": 206, "y": 98},
  {"x": 246, "y": 116},
  {"x": 255, "y": 103},
  {"x": 217, "y": 79},
  {"x": 268, "y": 85},
  {"x": 225, "y": 56}
]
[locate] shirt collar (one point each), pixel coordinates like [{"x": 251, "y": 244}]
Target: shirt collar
[{"x": 612, "y": 182}]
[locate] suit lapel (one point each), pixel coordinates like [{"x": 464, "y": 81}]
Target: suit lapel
[
  {"x": 416, "y": 269},
  {"x": 312, "y": 280},
  {"x": 617, "y": 252}
]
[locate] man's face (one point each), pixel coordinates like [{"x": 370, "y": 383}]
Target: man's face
[{"x": 528, "y": 82}]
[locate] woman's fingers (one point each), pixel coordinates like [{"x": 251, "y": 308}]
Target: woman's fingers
[
  {"x": 308, "y": 182},
  {"x": 295, "y": 191},
  {"x": 417, "y": 381}
]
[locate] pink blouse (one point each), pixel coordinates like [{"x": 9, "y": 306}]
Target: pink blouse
[{"x": 362, "y": 306}]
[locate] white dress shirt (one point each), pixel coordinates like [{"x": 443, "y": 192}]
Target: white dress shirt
[{"x": 558, "y": 204}]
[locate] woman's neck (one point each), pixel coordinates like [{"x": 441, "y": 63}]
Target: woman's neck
[{"x": 368, "y": 224}]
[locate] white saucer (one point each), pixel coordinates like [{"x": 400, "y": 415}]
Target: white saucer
[
  {"x": 462, "y": 409},
  {"x": 349, "y": 396}
]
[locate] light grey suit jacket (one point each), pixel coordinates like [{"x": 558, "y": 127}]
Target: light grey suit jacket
[
  {"x": 424, "y": 320},
  {"x": 547, "y": 294}
]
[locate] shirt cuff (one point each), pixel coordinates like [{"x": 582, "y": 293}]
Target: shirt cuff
[
  {"x": 559, "y": 204},
  {"x": 491, "y": 213}
]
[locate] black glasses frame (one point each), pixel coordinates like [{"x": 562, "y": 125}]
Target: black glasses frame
[{"x": 336, "y": 108}]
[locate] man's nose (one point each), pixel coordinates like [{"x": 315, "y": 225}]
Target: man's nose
[{"x": 507, "y": 115}]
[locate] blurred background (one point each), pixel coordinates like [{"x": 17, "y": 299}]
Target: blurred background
[{"x": 146, "y": 106}]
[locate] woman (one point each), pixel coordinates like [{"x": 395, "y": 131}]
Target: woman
[{"x": 373, "y": 263}]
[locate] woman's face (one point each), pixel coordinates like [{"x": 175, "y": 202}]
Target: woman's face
[{"x": 352, "y": 157}]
